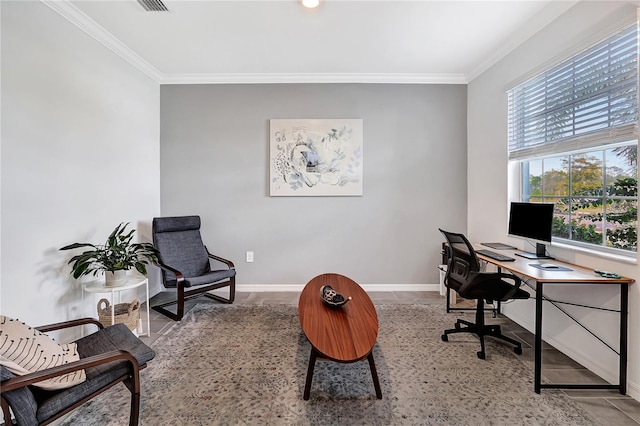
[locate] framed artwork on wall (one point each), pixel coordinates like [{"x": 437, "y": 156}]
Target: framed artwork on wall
[{"x": 316, "y": 157}]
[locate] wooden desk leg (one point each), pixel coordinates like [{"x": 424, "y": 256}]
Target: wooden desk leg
[
  {"x": 312, "y": 364},
  {"x": 624, "y": 313},
  {"x": 374, "y": 375},
  {"x": 537, "y": 375}
]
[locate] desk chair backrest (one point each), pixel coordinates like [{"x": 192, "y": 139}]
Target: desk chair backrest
[
  {"x": 180, "y": 245},
  {"x": 464, "y": 276},
  {"x": 462, "y": 260}
]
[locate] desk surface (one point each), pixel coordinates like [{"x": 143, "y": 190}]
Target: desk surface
[{"x": 577, "y": 275}]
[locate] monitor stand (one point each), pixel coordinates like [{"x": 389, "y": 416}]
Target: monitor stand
[{"x": 541, "y": 253}]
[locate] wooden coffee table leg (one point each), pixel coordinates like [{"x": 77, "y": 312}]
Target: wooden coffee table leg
[
  {"x": 312, "y": 364},
  {"x": 374, "y": 375}
]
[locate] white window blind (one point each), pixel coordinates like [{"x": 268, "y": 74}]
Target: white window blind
[{"x": 588, "y": 100}]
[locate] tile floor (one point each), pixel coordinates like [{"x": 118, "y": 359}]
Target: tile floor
[{"x": 607, "y": 406}]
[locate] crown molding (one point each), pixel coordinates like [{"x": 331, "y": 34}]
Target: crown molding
[
  {"x": 280, "y": 78},
  {"x": 78, "y": 18},
  {"x": 550, "y": 12}
]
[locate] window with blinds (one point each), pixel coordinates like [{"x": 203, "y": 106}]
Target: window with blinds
[
  {"x": 589, "y": 100},
  {"x": 574, "y": 131}
]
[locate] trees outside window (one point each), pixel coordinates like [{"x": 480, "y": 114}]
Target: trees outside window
[{"x": 595, "y": 195}]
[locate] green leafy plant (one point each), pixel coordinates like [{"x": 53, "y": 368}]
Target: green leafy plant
[{"x": 117, "y": 253}]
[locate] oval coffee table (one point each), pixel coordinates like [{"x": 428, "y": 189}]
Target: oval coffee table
[{"x": 341, "y": 334}]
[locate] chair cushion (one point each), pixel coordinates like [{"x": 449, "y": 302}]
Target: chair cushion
[
  {"x": 180, "y": 245},
  {"x": 211, "y": 277},
  {"x": 24, "y": 350},
  {"x": 115, "y": 337},
  {"x": 175, "y": 224},
  {"x": 112, "y": 338},
  {"x": 208, "y": 278},
  {"x": 494, "y": 290},
  {"x": 22, "y": 402}
]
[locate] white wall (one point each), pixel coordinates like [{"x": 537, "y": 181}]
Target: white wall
[
  {"x": 490, "y": 188},
  {"x": 80, "y": 154},
  {"x": 215, "y": 163}
]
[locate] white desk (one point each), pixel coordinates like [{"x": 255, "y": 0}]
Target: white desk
[{"x": 131, "y": 282}]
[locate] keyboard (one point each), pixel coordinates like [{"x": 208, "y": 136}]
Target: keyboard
[
  {"x": 499, "y": 246},
  {"x": 496, "y": 256}
]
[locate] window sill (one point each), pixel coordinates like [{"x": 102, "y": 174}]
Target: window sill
[{"x": 611, "y": 256}]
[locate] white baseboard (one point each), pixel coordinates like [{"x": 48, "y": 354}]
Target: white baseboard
[
  {"x": 366, "y": 287},
  {"x": 633, "y": 390}
]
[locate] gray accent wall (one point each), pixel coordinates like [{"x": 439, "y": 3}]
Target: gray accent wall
[{"x": 214, "y": 162}]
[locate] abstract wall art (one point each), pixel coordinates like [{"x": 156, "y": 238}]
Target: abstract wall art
[{"x": 320, "y": 157}]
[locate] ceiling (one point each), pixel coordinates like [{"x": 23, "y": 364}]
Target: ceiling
[{"x": 340, "y": 41}]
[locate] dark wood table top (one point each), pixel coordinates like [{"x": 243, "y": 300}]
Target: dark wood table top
[{"x": 342, "y": 334}]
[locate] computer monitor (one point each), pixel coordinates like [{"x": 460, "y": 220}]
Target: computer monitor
[{"x": 532, "y": 221}]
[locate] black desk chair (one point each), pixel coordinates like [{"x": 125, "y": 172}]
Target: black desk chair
[
  {"x": 465, "y": 278},
  {"x": 186, "y": 263}
]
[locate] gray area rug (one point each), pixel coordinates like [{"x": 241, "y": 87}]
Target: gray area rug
[{"x": 236, "y": 365}]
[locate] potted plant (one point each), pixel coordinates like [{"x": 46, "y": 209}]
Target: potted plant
[{"x": 115, "y": 257}]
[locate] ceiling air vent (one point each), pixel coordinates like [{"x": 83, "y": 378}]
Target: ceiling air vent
[{"x": 153, "y": 5}]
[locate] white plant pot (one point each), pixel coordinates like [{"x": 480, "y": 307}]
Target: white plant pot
[{"x": 115, "y": 278}]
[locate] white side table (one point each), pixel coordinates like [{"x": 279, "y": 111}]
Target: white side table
[{"x": 131, "y": 282}]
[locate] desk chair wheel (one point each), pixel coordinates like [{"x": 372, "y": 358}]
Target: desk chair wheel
[
  {"x": 481, "y": 355},
  {"x": 444, "y": 338},
  {"x": 518, "y": 350}
]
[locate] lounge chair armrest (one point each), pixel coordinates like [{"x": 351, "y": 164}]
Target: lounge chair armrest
[
  {"x": 68, "y": 324},
  {"x": 38, "y": 376},
  {"x": 178, "y": 274},
  {"x": 221, "y": 259}
]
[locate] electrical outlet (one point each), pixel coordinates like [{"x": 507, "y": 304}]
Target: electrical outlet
[{"x": 249, "y": 258}]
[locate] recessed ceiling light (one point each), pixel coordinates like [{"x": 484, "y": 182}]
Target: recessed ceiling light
[{"x": 310, "y": 3}]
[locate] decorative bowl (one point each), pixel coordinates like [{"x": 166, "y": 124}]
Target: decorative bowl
[{"x": 330, "y": 297}]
